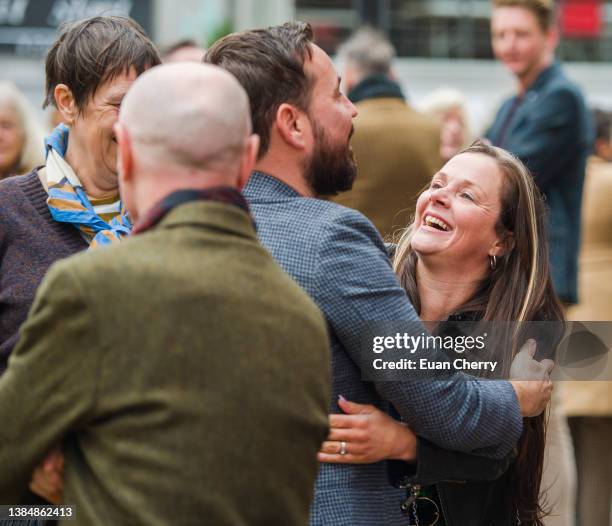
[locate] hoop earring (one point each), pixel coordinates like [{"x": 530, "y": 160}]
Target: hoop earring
[{"x": 493, "y": 262}]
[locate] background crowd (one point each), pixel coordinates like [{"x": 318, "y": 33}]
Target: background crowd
[{"x": 398, "y": 146}]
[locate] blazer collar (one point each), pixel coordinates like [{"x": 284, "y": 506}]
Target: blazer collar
[
  {"x": 211, "y": 214},
  {"x": 376, "y": 87},
  {"x": 545, "y": 76},
  {"x": 263, "y": 187}
]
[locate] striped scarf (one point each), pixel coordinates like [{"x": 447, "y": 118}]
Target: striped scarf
[{"x": 68, "y": 202}]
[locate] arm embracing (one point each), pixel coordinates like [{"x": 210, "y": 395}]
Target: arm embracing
[{"x": 357, "y": 287}]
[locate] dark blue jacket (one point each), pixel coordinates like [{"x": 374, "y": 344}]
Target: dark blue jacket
[{"x": 550, "y": 130}]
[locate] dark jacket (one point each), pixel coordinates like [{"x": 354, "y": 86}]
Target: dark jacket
[
  {"x": 471, "y": 490},
  {"x": 550, "y": 130}
]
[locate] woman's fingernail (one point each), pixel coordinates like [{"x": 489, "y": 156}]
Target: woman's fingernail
[{"x": 341, "y": 398}]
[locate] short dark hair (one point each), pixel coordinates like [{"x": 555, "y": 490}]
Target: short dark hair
[
  {"x": 544, "y": 10},
  {"x": 89, "y": 52},
  {"x": 269, "y": 63}
]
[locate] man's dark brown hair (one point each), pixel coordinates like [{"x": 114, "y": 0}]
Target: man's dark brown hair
[
  {"x": 89, "y": 52},
  {"x": 544, "y": 10},
  {"x": 269, "y": 63}
]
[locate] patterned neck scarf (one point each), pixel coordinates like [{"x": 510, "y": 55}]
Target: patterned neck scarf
[{"x": 68, "y": 202}]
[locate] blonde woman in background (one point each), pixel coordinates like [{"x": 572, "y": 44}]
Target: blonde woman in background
[
  {"x": 21, "y": 135},
  {"x": 449, "y": 106}
]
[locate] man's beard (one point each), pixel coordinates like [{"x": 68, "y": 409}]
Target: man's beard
[{"x": 330, "y": 170}]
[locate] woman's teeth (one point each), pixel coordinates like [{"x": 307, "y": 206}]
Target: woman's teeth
[{"x": 437, "y": 223}]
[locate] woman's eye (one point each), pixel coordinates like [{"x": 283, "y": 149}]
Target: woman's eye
[
  {"x": 465, "y": 195},
  {"x": 436, "y": 185}
]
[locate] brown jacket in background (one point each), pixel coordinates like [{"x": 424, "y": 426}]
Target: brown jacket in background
[
  {"x": 186, "y": 376},
  {"x": 397, "y": 151},
  {"x": 594, "y": 398}
]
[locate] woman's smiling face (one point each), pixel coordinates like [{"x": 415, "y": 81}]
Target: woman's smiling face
[{"x": 456, "y": 216}]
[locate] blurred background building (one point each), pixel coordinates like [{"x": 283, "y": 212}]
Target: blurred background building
[{"x": 440, "y": 42}]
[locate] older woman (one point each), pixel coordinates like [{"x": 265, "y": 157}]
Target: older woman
[
  {"x": 21, "y": 136},
  {"x": 72, "y": 202},
  {"x": 476, "y": 250}
]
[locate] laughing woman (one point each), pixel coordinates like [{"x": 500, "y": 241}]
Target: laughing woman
[
  {"x": 72, "y": 202},
  {"x": 475, "y": 251}
]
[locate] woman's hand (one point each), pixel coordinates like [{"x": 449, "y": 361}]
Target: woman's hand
[{"x": 366, "y": 435}]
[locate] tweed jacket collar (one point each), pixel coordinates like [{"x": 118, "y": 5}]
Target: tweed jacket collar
[
  {"x": 210, "y": 214},
  {"x": 262, "y": 187}
]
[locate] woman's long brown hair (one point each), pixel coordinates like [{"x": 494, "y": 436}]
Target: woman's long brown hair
[{"x": 518, "y": 289}]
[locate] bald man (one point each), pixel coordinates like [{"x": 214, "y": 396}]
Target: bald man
[{"x": 185, "y": 376}]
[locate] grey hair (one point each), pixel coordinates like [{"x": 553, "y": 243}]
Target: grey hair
[
  {"x": 369, "y": 51},
  {"x": 33, "y": 151},
  {"x": 444, "y": 100}
]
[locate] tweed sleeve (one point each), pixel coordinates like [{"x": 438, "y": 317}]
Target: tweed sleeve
[
  {"x": 50, "y": 381},
  {"x": 356, "y": 286}
]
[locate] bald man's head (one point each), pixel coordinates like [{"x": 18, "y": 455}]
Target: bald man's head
[
  {"x": 186, "y": 114},
  {"x": 182, "y": 126}
]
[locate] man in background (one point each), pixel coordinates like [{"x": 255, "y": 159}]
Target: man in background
[
  {"x": 546, "y": 124},
  {"x": 184, "y": 374},
  {"x": 396, "y": 147}
]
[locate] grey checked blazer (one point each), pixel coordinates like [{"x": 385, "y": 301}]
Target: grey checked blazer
[{"x": 338, "y": 257}]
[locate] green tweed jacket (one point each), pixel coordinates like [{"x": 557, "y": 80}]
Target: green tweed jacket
[{"x": 184, "y": 373}]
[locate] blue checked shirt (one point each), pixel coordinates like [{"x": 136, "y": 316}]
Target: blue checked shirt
[{"x": 338, "y": 257}]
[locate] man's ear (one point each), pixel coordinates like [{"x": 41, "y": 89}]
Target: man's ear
[
  {"x": 125, "y": 157},
  {"x": 293, "y": 126},
  {"x": 66, "y": 105},
  {"x": 249, "y": 158},
  {"x": 552, "y": 38}
]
